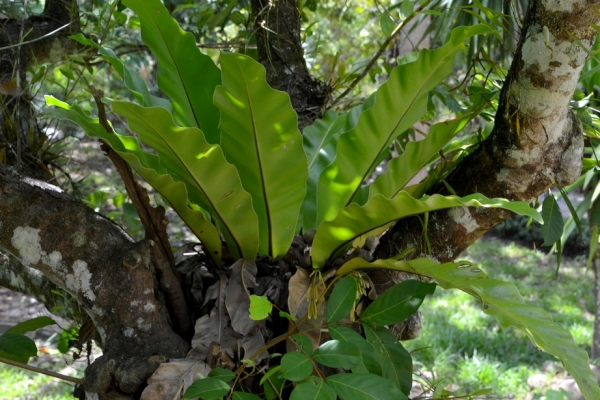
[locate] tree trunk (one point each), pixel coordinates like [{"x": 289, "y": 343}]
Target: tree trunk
[
  {"x": 277, "y": 28},
  {"x": 96, "y": 262},
  {"x": 536, "y": 142}
]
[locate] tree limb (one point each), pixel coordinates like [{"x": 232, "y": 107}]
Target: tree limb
[
  {"x": 102, "y": 268},
  {"x": 536, "y": 142}
]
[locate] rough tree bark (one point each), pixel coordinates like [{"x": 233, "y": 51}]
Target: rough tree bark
[
  {"x": 277, "y": 28},
  {"x": 113, "y": 278}
]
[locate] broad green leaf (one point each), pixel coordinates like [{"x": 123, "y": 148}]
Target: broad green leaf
[
  {"x": 17, "y": 347},
  {"x": 334, "y": 236},
  {"x": 387, "y": 23},
  {"x": 396, "y": 362},
  {"x": 295, "y": 366},
  {"x": 341, "y": 300},
  {"x": 134, "y": 82},
  {"x": 369, "y": 363},
  {"x": 596, "y": 215},
  {"x": 186, "y": 75},
  {"x": 337, "y": 354},
  {"x": 574, "y": 215},
  {"x": 150, "y": 168},
  {"x": 364, "y": 386},
  {"x": 260, "y": 307},
  {"x": 553, "y": 221},
  {"x": 399, "y": 103},
  {"x": 260, "y": 137},
  {"x": 207, "y": 389},
  {"x": 272, "y": 371},
  {"x": 313, "y": 389},
  {"x": 303, "y": 342},
  {"x": 211, "y": 181},
  {"x": 397, "y": 303},
  {"x": 31, "y": 325},
  {"x": 320, "y": 142},
  {"x": 273, "y": 387},
  {"x": 221, "y": 373},
  {"x": 415, "y": 157},
  {"x": 503, "y": 301},
  {"x": 244, "y": 396}
]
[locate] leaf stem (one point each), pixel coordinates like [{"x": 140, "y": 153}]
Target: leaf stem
[{"x": 41, "y": 371}]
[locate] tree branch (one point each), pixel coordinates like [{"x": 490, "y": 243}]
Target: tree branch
[
  {"x": 536, "y": 142},
  {"x": 277, "y": 29},
  {"x": 102, "y": 268}
]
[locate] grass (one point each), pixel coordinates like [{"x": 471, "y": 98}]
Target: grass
[
  {"x": 18, "y": 384},
  {"x": 469, "y": 350}
]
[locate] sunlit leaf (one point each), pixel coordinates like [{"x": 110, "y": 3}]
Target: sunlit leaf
[
  {"x": 260, "y": 137},
  {"x": 186, "y": 75},
  {"x": 399, "y": 103},
  {"x": 334, "y": 236},
  {"x": 150, "y": 168},
  {"x": 503, "y": 301},
  {"x": 200, "y": 165},
  {"x": 260, "y": 307}
]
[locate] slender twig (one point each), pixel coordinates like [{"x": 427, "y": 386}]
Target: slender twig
[
  {"x": 41, "y": 371},
  {"x": 379, "y": 53},
  {"x": 36, "y": 39}
]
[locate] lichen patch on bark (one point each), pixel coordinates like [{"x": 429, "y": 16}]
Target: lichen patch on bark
[
  {"x": 462, "y": 216},
  {"x": 561, "y": 5},
  {"x": 80, "y": 279},
  {"x": 27, "y": 241}
]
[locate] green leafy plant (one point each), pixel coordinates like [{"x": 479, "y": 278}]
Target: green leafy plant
[
  {"x": 229, "y": 158},
  {"x": 14, "y": 345}
]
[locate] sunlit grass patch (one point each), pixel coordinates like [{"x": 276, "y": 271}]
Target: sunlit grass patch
[
  {"x": 19, "y": 384},
  {"x": 469, "y": 350}
]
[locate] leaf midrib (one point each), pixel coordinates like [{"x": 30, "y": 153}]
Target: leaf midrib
[{"x": 392, "y": 131}]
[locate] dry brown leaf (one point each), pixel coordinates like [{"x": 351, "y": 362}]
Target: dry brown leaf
[
  {"x": 243, "y": 276},
  {"x": 171, "y": 380},
  {"x": 299, "y": 287},
  {"x": 213, "y": 328},
  {"x": 217, "y": 291},
  {"x": 252, "y": 343}
]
